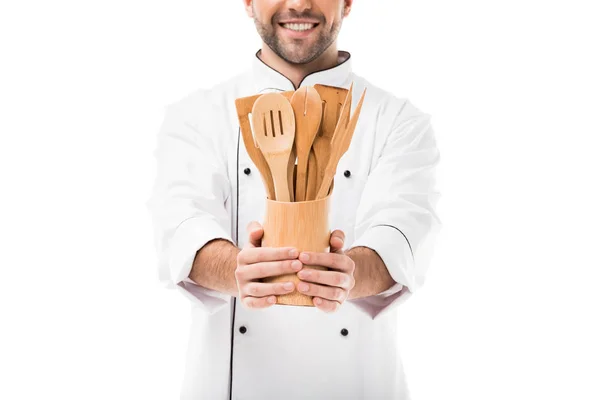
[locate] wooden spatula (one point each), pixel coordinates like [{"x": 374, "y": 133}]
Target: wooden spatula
[
  {"x": 334, "y": 99},
  {"x": 323, "y": 148},
  {"x": 340, "y": 143},
  {"x": 274, "y": 130},
  {"x": 307, "y": 112}
]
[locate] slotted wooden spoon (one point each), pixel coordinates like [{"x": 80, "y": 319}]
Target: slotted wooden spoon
[
  {"x": 243, "y": 107},
  {"x": 274, "y": 130},
  {"x": 307, "y": 112}
]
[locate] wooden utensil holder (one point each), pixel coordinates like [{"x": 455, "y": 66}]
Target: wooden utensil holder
[{"x": 303, "y": 225}]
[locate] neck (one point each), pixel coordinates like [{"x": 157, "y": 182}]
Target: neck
[{"x": 297, "y": 72}]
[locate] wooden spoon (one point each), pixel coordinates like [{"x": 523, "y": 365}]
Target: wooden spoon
[
  {"x": 274, "y": 130},
  {"x": 340, "y": 144},
  {"x": 307, "y": 112}
]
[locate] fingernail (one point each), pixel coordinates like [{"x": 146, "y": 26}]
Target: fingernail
[
  {"x": 318, "y": 300},
  {"x": 303, "y": 274},
  {"x": 304, "y": 257},
  {"x": 303, "y": 287},
  {"x": 293, "y": 253},
  {"x": 288, "y": 286},
  {"x": 296, "y": 265},
  {"x": 271, "y": 300}
]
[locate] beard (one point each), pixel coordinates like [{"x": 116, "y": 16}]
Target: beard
[{"x": 297, "y": 51}]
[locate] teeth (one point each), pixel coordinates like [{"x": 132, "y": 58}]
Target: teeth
[{"x": 299, "y": 27}]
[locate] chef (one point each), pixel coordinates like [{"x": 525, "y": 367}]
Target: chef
[{"x": 208, "y": 202}]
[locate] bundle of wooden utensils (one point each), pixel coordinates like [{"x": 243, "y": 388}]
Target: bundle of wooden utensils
[{"x": 296, "y": 138}]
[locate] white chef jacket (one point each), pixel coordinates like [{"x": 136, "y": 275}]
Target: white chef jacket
[{"x": 384, "y": 198}]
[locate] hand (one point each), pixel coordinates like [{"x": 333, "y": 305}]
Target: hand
[
  {"x": 255, "y": 262},
  {"x": 329, "y": 288}
]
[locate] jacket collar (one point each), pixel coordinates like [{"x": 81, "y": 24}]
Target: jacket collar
[{"x": 268, "y": 79}]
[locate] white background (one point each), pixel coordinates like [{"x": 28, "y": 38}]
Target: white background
[{"x": 510, "y": 307}]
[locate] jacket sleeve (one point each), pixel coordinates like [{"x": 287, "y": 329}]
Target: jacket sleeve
[
  {"x": 187, "y": 204},
  {"x": 396, "y": 215}
]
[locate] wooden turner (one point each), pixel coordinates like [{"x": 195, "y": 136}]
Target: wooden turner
[
  {"x": 340, "y": 144},
  {"x": 334, "y": 99},
  {"x": 274, "y": 130}
]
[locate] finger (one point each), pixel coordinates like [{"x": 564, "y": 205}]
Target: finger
[
  {"x": 260, "y": 270},
  {"x": 325, "y": 305},
  {"x": 258, "y": 302},
  {"x": 259, "y": 289},
  {"x": 339, "y": 262},
  {"x": 328, "y": 278},
  {"x": 263, "y": 254},
  {"x": 255, "y": 234},
  {"x": 325, "y": 292},
  {"x": 336, "y": 241}
]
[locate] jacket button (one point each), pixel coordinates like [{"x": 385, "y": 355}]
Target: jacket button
[
  {"x": 247, "y": 171},
  {"x": 344, "y": 332},
  {"x": 242, "y": 329},
  {"x": 347, "y": 174}
]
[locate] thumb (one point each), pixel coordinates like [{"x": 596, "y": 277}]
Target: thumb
[
  {"x": 255, "y": 234},
  {"x": 336, "y": 241}
]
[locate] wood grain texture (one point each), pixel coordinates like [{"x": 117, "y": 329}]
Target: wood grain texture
[{"x": 303, "y": 225}]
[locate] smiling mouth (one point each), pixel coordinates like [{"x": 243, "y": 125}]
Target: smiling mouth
[{"x": 303, "y": 27}]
